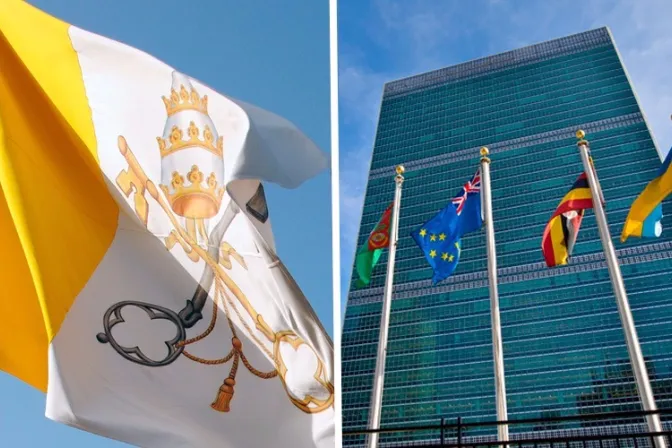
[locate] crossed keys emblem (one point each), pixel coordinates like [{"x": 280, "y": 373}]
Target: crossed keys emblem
[{"x": 218, "y": 257}]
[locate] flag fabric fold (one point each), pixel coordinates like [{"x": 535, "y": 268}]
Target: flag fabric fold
[
  {"x": 137, "y": 242},
  {"x": 563, "y": 228},
  {"x": 440, "y": 237},
  {"x": 646, "y": 212}
]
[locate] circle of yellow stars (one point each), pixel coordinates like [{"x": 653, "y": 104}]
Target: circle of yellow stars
[{"x": 441, "y": 236}]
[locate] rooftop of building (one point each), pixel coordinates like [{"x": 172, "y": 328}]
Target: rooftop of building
[{"x": 502, "y": 61}]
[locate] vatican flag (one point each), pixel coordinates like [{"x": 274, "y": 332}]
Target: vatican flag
[{"x": 140, "y": 285}]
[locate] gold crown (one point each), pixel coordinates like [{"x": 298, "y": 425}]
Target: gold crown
[
  {"x": 176, "y": 143},
  {"x": 196, "y": 200},
  {"x": 185, "y": 100}
]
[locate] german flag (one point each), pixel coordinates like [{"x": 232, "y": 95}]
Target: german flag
[{"x": 563, "y": 228}]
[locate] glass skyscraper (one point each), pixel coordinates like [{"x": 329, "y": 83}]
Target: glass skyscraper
[{"x": 564, "y": 347}]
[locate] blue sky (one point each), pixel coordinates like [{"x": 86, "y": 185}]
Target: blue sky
[
  {"x": 383, "y": 40},
  {"x": 272, "y": 54}
]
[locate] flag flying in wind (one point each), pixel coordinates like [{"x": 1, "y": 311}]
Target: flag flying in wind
[
  {"x": 440, "y": 237},
  {"x": 371, "y": 251},
  {"x": 141, "y": 289},
  {"x": 646, "y": 211},
  {"x": 563, "y": 228}
]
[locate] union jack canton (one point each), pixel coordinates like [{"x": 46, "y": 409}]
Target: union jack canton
[{"x": 472, "y": 186}]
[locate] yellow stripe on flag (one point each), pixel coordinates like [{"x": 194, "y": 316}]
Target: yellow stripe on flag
[
  {"x": 577, "y": 194},
  {"x": 652, "y": 195},
  {"x": 57, "y": 217},
  {"x": 558, "y": 240}
]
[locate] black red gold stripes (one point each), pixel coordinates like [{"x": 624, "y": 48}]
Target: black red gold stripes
[{"x": 563, "y": 227}]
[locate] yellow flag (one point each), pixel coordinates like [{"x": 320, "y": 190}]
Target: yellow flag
[{"x": 646, "y": 211}]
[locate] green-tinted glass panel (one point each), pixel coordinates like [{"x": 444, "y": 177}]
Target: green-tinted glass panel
[{"x": 564, "y": 349}]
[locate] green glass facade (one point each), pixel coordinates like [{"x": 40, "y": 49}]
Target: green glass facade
[{"x": 564, "y": 348}]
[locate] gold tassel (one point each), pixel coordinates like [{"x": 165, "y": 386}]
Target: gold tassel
[
  {"x": 224, "y": 396},
  {"x": 225, "y": 393}
]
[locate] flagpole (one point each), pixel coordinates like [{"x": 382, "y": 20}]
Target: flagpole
[
  {"x": 375, "y": 411},
  {"x": 632, "y": 342},
  {"x": 497, "y": 350}
]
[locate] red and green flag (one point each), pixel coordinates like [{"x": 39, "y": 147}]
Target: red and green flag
[{"x": 370, "y": 252}]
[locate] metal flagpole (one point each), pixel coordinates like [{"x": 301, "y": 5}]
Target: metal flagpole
[
  {"x": 497, "y": 351},
  {"x": 377, "y": 395},
  {"x": 632, "y": 342}
]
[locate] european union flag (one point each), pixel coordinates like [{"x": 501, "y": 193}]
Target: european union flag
[{"x": 439, "y": 238}]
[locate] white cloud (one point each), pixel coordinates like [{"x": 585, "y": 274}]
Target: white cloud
[
  {"x": 644, "y": 38},
  {"x": 413, "y": 36},
  {"x": 353, "y": 183},
  {"x": 360, "y": 92},
  {"x": 418, "y": 30}
]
